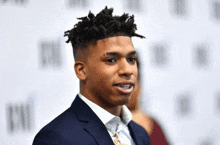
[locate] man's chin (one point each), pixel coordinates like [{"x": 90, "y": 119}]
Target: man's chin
[{"x": 125, "y": 100}]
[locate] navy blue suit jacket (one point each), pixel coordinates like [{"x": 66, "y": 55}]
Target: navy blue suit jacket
[{"x": 79, "y": 125}]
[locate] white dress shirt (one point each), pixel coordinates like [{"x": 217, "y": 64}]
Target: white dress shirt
[{"x": 114, "y": 123}]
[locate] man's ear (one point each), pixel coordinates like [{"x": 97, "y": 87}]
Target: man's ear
[{"x": 80, "y": 70}]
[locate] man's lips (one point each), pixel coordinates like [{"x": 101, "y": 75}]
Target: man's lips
[{"x": 124, "y": 87}]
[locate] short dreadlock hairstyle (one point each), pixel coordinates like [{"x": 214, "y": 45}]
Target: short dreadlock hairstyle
[{"x": 92, "y": 28}]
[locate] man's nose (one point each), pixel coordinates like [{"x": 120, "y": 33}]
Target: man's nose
[{"x": 125, "y": 68}]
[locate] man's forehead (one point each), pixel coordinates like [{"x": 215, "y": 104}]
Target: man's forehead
[
  {"x": 113, "y": 46},
  {"x": 114, "y": 53}
]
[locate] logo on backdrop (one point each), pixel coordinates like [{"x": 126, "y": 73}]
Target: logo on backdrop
[
  {"x": 50, "y": 54},
  {"x": 201, "y": 56},
  {"x": 159, "y": 55},
  {"x": 184, "y": 105},
  {"x": 14, "y": 2},
  {"x": 133, "y": 5},
  {"x": 77, "y": 3},
  {"x": 217, "y": 103},
  {"x": 20, "y": 115},
  {"x": 216, "y": 9},
  {"x": 179, "y": 7},
  {"x": 205, "y": 141}
]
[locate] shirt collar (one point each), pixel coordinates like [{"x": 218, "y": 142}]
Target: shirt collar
[{"x": 104, "y": 115}]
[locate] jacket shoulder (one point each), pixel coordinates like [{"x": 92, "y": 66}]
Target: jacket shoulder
[{"x": 60, "y": 130}]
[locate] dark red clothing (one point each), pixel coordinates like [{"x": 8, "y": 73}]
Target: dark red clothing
[{"x": 157, "y": 137}]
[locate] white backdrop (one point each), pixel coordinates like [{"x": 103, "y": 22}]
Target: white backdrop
[{"x": 179, "y": 58}]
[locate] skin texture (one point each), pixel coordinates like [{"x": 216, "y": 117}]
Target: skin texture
[{"x": 111, "y": 61}]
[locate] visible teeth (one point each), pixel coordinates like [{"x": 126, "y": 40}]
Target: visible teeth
[{"x": 125, "y": 86}]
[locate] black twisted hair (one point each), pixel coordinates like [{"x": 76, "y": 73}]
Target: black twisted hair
[{"x": 92, "y": 28}]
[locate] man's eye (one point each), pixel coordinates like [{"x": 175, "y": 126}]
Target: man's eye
[
  {"x": 111, "y": 60},
  {"x": 132, "y": 59}
]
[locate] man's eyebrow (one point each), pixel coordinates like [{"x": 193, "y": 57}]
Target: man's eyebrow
[
  {"x": 116, "y": 53},
  {"x": 111, "y": 53},
  {"x": 133, "y": 52}
]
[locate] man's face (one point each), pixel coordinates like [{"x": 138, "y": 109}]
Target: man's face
[{"x": 111, "y": 71}]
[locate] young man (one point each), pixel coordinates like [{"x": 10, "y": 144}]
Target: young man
[{"x": 105, "y": 63}]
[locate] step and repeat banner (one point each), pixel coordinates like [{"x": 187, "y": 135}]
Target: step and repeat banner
[{"x": 180, "y": 65}]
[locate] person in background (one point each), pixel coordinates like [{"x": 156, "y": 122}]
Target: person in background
[
  {"x": 105, "y": 63},
  {"x": 155, "y": 132}
]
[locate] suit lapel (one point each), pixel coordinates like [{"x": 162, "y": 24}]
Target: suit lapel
[
  {"x": 134, "y": 133},
  {"x": 91, "y": 123},
  {"x": 99, "y": 133}
]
